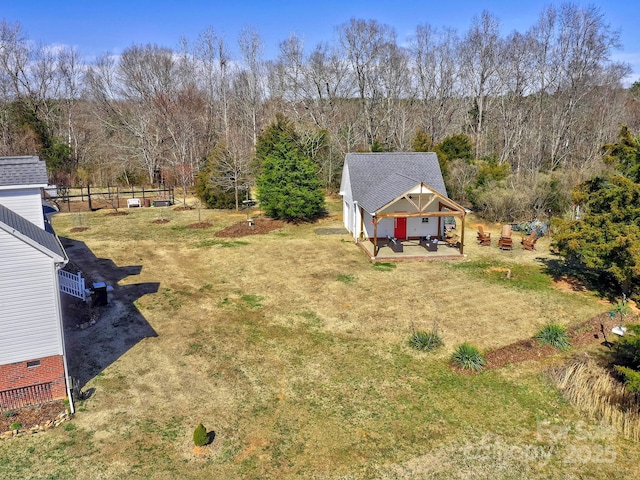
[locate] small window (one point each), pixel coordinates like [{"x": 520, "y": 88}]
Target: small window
[
  {"x": 425, "y": 219},
  {"x": 33, "y": 363}
]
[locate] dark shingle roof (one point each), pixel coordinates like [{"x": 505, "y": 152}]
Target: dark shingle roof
[
  {"x": 12, "y": 222},
  {"x": 23, "y": 171},
  {"x": 378, "y": 178}
]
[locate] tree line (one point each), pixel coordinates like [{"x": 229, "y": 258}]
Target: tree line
[{"x": 517, "y": 120}]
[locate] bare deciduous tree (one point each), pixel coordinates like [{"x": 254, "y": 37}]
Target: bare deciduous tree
[
  {"x": 250, "y": 83},
  {"x": 435, "y": 75},
  {"x": 364, "y": 43},
  {"x": 480, "y": 51}
]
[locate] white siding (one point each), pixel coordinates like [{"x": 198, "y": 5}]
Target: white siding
[
  {"x": 26, "y": 202},
  {"x": 415, "y": 227},
  {"x": 347, "y": 216},
  {"x": 385, "y": 226},
  {"x": 347, "y": 199},
  {"x": 29, "y": 322}
]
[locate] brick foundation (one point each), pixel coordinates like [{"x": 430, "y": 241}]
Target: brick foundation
[{"x": 48, "y": 370}]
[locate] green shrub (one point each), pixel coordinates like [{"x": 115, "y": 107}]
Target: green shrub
[
  {"x": 425, "y": 341},
  {"x": 15, "y": 426},
  {"x": 631, "y": 378},
  {"x": 468, "y": 357},
  {"x": 626, "y": 358},
  {"x": 200, "y": 436},
  {"x": 554, "y": 335},
  {"x": 10, "y": 413}
]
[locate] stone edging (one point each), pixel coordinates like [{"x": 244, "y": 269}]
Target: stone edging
[{"x": 48, "y": 425}]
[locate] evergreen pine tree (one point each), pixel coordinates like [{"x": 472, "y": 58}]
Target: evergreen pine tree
[
  {"x": 288, "y": 187},
  {"x": 607, "y": 237},
  {"x": 200, "y": 436}
]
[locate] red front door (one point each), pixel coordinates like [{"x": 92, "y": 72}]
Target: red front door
[{"x": 400, "y": 228}]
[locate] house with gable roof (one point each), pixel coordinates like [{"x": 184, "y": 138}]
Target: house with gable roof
[
  {"x": 33, "y": 366},
  {"x": 396, "y": 195},
  {"x": 21, "y": 182}
]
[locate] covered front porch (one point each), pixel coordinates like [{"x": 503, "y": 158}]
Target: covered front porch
[
  {"x": 383, "y": 250},
  {"x": 409, "y": 220}
]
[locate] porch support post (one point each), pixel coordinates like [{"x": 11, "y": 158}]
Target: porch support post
[
  {"x": 375, "y": 236},
  {"x": 462, "y": 235}
]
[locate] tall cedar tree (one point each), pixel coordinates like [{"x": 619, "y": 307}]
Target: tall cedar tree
[
  {"x": 607, "y": 237},
  {"x": 288, "y": 187},
  {"x": 624, "y": 155}
]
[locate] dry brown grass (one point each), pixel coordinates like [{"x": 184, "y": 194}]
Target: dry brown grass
[
  {"x": 292, "y": 347},
  {"x": 592, "y": 389}
]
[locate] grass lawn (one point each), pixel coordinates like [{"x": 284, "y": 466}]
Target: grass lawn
[{"x": 292, "y": 347}]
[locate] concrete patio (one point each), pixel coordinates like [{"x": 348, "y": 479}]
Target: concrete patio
[{"x": 411, "y": 250}]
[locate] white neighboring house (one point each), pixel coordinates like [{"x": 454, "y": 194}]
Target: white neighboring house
[
  {"x": 21, "y": 181},
  {"x": 396, "y": 194},
  {"x": 33, "y": 365}
]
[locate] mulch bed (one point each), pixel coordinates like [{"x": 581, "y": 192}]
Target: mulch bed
[
  {"x": 31, "y": 416},
  {"x": 79, "y": 229},
  {"x": 242, "y": 229},
  {"x": 583, "y": 334}
]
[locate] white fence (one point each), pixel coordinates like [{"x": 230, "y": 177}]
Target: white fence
[{"x": 73, "y": 284}]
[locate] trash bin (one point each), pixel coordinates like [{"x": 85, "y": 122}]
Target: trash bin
[
  {"x": 147, "y": 202},
  {"x": 99, "y": 296}
]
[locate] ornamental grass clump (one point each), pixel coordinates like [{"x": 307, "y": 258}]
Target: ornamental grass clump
[
  {"x": 200, "y": 436},
  {"x": 425, "y": 341},
  {"x": 554, "y": 335},
  {"x": 468, "y": 357}
]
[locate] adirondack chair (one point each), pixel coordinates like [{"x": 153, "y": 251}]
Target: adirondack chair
[
  {"x": 484, "y": 239},
  {"x": 505, "y": 242},
  {"x": 529, "y": 242}
]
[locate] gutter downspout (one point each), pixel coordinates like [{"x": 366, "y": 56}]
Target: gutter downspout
[{"x": 64, "y": 351}]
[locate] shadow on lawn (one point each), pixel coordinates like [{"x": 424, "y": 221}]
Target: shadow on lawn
[
  {"x": 95, "y": 337},
  {"x": 582, "y": 278}
]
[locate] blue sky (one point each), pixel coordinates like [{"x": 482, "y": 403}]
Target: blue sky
[{"x": 99, "y": 26}]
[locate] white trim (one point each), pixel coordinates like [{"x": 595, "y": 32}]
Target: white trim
[
  {"x": 15, "y": 187},
  {"x": 33, "y": 243}
]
